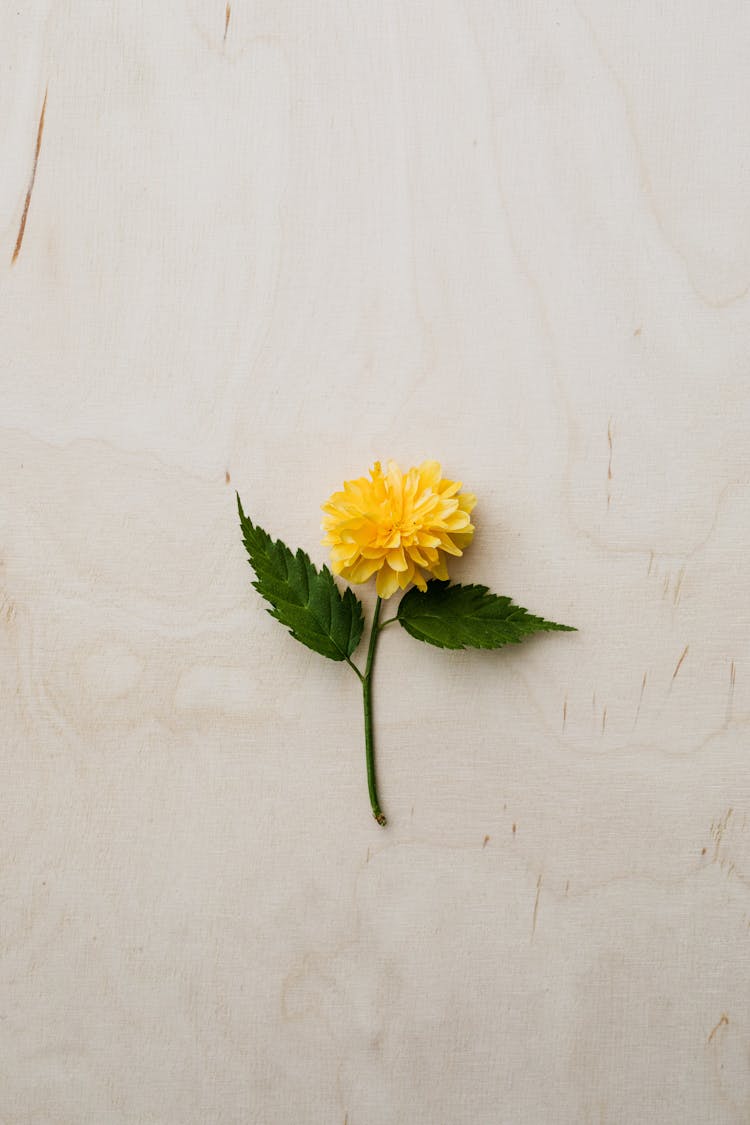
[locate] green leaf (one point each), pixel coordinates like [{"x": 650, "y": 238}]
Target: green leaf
[
  {"x": 467, "y": 616},
  {"x": 303, "y": 598}
]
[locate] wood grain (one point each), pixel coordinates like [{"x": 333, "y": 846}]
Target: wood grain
[{"x": 268, "y": 243}]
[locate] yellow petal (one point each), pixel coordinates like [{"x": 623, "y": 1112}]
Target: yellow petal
[
  {"x": 448, "y": 488},
  {"x": 343, "y": 551},
  {"x": 416, "y": 556},
  {"x": 387, "y": 582},
  {"x": 426, "y": 540},
  {"x": 362, "y": 570},
  {"x": 440, "y": 570},
  {"x": 463, "y": 538},
  {"x": 419, "y": 581},
  {"x": 405, "y": 576},
  {"x": 456, "y": 522},
  {"x": 429, "y": 473},
  {"x": 447, "y": 545}
]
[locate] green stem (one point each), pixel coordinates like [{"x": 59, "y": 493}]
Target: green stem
[{"x": 367, "y": 699}]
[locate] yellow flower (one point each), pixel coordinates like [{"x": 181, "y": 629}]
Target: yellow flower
[{"x": 398, "y": 525}]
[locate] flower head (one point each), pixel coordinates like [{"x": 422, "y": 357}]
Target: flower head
[{"x": 397, "y": 525}]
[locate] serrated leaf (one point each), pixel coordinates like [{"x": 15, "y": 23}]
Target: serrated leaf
[
  {"x": 467, "y": 617},
  {"x": 303, "y": 598}
]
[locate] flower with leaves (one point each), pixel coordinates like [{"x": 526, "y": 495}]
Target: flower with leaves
[{"x": 398, "y": 527}]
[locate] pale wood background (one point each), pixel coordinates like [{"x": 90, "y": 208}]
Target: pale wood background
[{"x": 267, "y": 243}]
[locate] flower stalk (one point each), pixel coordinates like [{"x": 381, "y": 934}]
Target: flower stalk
[{"x": 372, "y": 788}]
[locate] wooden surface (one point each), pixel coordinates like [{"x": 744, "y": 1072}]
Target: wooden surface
[{"x": 257, "y": 246}]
